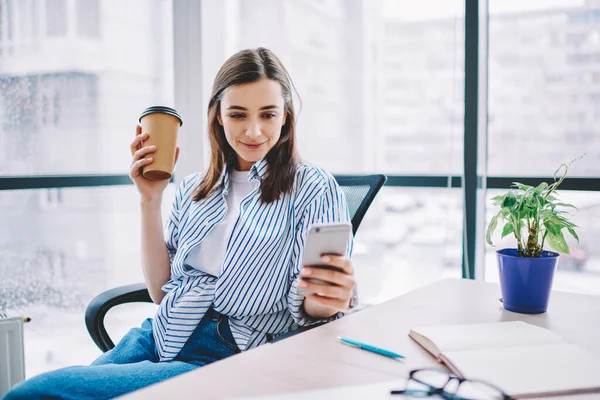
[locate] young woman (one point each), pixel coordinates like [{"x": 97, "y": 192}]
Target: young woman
[{"x": 227, "y": 270}]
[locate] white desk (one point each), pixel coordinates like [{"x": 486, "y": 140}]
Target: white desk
[{"x": 315, "y": 359}]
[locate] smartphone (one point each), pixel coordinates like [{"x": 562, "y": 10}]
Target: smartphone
[{"x": 331, "y": 238}]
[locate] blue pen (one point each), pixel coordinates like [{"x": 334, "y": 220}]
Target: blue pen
[{"x": 370, "y": 348}]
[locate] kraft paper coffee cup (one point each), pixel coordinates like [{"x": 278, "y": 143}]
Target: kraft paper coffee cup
[{"x": 162, "y": 125}]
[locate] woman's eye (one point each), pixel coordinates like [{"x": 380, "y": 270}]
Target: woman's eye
[
  {"x": 236, "y": 116},
  {"x": 269, "y": 116}
]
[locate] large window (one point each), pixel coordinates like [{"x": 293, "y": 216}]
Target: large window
[
  {"x": 59, "y": 248},
  {"x": 70, "y": 95},
  {"x": 69, "y": 104},
  {"x": 544, "y": 86},
  {"x": 544, "y": 97}
]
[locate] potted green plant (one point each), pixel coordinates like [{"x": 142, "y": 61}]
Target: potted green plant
[{"x": 536, "y": 217}]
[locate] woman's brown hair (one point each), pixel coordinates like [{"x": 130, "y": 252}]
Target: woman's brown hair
[{"x": 244, "y": 67}]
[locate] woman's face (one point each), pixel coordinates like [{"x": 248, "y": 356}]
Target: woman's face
[{"x": 252, "y": 115}]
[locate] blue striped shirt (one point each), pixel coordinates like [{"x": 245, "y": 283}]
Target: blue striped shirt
[{"x": 257, "y": 285}]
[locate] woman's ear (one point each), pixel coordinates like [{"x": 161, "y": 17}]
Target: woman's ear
[
  {"x": 219, "y": 119},
  {"x": 284, "y": 119}
]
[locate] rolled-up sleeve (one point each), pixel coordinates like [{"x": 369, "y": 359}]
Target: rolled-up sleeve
[{"x": 328, "y": 206}]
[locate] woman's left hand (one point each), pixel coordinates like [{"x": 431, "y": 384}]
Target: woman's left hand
[{"x": 328, "y": 298}]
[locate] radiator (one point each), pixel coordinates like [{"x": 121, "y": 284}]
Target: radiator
[{"x": 12, "y": 355}]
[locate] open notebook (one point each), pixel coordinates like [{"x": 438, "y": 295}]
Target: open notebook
[{"x": 522, "y": 359}]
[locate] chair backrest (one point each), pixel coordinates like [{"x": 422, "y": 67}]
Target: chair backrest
[{"x": 360, "y": 192}]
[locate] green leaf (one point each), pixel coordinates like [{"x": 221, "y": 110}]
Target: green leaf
[
  {"x": 563, "y": 221},
  {"x": 499, "y": 198},
  {"x": 552, "y": 227},
  {"x": 521, "y": 186},
  {"x": 509, "y": 200},
  {"x": 565, "y": 205},
  {"x": 507, "y": 230},
  {"x": 531, "y": 210},
  {"x": 541, "y": 187},
  {"x": 572, "y": 232},
  {"x": 547, "y": 212},
  {"x": 505, "y": 214},
  {"x": 558, "y": 243},
  {"x": 560, "y": 212},
  {"x": 491, "y": 227}
]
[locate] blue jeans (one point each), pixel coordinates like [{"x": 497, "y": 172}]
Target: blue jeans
[{"x": 132, "y": 364}]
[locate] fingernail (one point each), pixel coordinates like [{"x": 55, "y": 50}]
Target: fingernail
[
  {"x": 302, "y": 284},
  {"x": 306, "y": 271},
  {"x": 149, "y": 159},
  {"x": 325, "y": 258},
  {"x": 153, "y": 147}
]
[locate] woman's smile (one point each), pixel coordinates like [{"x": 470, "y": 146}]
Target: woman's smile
[{"x": 253, "y": 146}]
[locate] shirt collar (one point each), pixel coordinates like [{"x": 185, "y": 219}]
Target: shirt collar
[
  {"x": 225, "y": 180},
  {"x": 257, "y": 172}
]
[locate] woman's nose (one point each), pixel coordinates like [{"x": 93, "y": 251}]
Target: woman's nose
[{"x": 253, "y": 130}]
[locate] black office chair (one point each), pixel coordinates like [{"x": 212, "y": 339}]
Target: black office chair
[{"x": 360, "y": 192}]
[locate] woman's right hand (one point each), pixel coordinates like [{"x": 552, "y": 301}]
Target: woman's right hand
[{"x": 149, "y": 189}]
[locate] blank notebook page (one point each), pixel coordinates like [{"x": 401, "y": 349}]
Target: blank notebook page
[
  {"x": 489, "y": 335},
  {"x": 531, "y": 369}
]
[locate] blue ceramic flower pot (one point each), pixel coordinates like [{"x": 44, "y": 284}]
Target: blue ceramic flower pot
[{"x": 526, "y": 282}]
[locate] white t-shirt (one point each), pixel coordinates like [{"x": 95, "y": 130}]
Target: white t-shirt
[{"x": 210, "y": 253}]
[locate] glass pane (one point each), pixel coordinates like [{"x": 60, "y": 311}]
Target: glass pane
[
  {"x": 544, "y": 86},
  {"x": 56, "y": 18},
  {"x": 59, "y": 248},
  {"x": 88, "y": 18},
  {"x": 577, "y": 272},
  {"x": 71, "y": 94},
  {"x": 380, "y": 81},
  {"x": 408, "y": 239},
  {"x": 421, "y": 77}
]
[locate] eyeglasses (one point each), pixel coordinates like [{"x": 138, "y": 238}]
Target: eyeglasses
[{"x": 438, "y": 382}]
